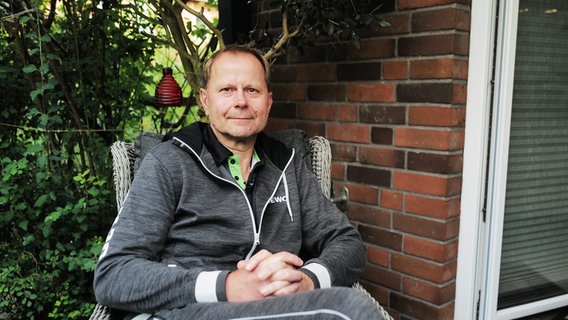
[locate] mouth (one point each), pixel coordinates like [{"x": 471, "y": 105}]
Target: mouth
[{"x": 243, "y": 118}]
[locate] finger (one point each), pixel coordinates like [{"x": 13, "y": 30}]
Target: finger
[
  {"x": 273, "y": 287},
  {"x": 289, "y": 289},
  {"x": 260, "y": 256},
  {"x": 289, "y": 274},
  {"x": 280, "y": 261},
  {"x": 241, "y": 264},
  {"x": 289, "y": 258}
]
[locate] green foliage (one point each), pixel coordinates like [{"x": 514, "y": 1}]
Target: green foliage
[
  {"x": 74, "y": 79},
  {"x": 76, "y": 76},
  {"x": 331, "y": 21},
  {"x": 51, "y": 226}
]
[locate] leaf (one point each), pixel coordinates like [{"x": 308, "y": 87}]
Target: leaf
[
  {"x": 24, "y": 19},
  {"x": 35, "y": 93},
  {"x": 43, "y": 119},
  {"x": 44, "y": 68},
  {"x": 29, "y": 68},
  {"x": 28, "y": 239},
  {"x": 41, "y": 200},
  {"x": 23, "y": 225}
]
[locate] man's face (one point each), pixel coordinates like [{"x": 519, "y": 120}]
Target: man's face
[{"x": 236, "y": 99}]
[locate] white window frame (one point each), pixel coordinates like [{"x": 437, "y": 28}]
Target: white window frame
[
  {"x": 479, "y": 253},
  {"x": 478, "y": 104}
]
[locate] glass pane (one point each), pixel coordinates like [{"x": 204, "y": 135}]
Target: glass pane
[{"x": 534, "y": 263}]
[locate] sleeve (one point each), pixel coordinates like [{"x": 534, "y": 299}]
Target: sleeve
[
  {"x": 332, "y": 247},
  {"x": 129, "y": 275}
]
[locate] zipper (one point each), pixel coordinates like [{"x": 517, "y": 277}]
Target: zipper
[
  {"x": 256, "y": 234},
  {"x": 256, "y": 229}
]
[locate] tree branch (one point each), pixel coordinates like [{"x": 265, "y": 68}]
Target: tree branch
[{"x": 277, "y": 49}]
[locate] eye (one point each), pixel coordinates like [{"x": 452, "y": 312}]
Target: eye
[{"x": 252, "y": 90}]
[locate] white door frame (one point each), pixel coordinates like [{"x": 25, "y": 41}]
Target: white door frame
[
  {"x": 480, "y": 241},
  {"x": 478, "y": 104}
]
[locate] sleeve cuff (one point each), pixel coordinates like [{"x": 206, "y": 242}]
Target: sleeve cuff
[
  {"x": 319, "y": 275},
  {"x": 210, "y": 286}
]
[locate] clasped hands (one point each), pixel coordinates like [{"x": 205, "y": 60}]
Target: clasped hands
[{"x": 265, "y": 275}]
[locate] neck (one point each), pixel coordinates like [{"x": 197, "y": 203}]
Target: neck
[{"x": 242, "y": 148}]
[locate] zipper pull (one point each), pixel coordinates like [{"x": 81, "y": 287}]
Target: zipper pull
[{"x": 256, "y": 239}]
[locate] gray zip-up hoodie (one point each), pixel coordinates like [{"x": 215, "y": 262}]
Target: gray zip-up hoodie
[{"x": 186, "y": 223}]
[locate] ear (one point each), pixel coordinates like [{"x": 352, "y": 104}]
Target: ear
[
  {"x": 204, "y": 100},
  {"x": 269, "y": 102}
]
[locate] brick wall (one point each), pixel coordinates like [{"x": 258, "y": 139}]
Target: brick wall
[{"x": 394, "y": 112}]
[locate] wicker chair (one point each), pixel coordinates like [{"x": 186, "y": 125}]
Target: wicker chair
[{"x": 127, "y": 157}]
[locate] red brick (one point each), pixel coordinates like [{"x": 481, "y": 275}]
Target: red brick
[
  {"x": 369, "y": 175},
  {"x": 283, "y": 73},
  {"x": 424, "y": 227},
  {"x": 432, "y": 207},
  {"x": 359, "y": 71},
  {"x": 372, "y": 49},
  {"x": 369, "y": 214},
  {"x": 391, "y": 199},
  {"x": 275, "y": 124},
  {"x": 378, "y": 256},
  {"x": 386, "y": 157},
  {"x": 443, "y": 68},
  {"x": 429, "y": 139},
  {"x": 433, "y": 44},
  {"x": 399, "y": 24},
  {"x": 316, "y": 72},
  {"x": 310, "y": 128},
  {"x": 383, "y": 277},
  {"x": 347, "y": 113},
  {"x": 378, "y": 92},
  {"x": 382, "y": 135},
  {"x": 434, "y": 162},
  {"x": 425, "y": 92},
  {"x": 427, "y": 184},
  {"x": 433, "y": 250},
  {"x": 284, "y": 110},
  {"x": 337, "y": 170},
  {"x": 361, "y": 193},
  {"x": 418, "y": 309},
  {"x": 326, "y": 92},
  {"x": 317, "y": 111},
  {"x": 440, "y": 19},
  {"x": 378, "y": 114},
  {"x": 435, "y": 272},
  {"x": 395, "y": 70},
  {"x": 436, "y": 116},
  {"x": 344, "y": 152},
  {"x": 349, "y": 133},
  {"x": 428, "y": 292},
  {"x": 379, "y": 293},
  {"x": 459, "y": 93},
  {"x": 289, "y": 92},
  {"x": 382, "y": 237},
  {"x": 412, "y": 4}
]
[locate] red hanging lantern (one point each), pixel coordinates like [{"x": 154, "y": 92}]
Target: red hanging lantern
[{"x": 168, "y": 92}]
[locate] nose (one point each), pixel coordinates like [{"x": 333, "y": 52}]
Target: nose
[{"x": 240, "y": 98}]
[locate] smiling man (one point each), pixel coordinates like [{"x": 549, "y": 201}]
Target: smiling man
[{"x": 224, "y": 222}]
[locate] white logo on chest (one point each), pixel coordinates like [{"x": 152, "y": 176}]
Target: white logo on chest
[{"x": 279, "y": 199}]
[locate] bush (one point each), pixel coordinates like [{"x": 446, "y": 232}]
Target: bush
[
  {"x": 51, "y": 233},
  {"x": 73, "y": 82}
]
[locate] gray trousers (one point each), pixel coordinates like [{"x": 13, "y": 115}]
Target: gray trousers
[{"x": 333, "y": 304}]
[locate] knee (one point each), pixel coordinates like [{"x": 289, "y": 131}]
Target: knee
[{"x": 355, "y": 303}]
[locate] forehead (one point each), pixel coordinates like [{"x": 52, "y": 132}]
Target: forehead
[{"x": 236, "y": 61}]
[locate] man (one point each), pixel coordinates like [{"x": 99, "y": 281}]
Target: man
[{"x": 223, "y": 222}]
